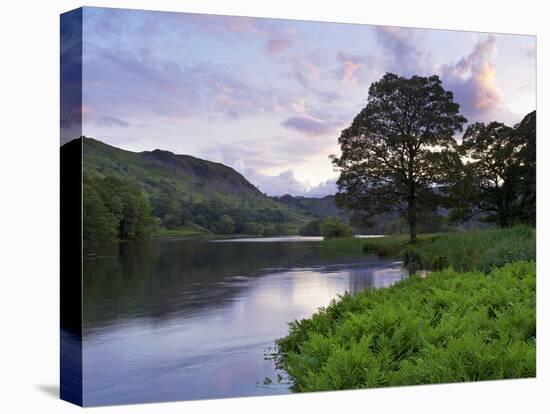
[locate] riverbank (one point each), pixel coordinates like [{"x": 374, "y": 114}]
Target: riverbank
[
  {"x": 464, "y": 251},
  {"x": 474, "y": 320}
]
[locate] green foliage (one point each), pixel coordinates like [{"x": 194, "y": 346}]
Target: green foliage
[
  {"x": 414, "y": 258},
  {"x": 225, "y": 225},
  {"x": 187, "y": 230},
  {"x": 479, "y": 249},
  {"x": 333, "y": 228},
  {"x": 318, "y": 207},
  {"x": 115, "y": 209},
  {"x": 171, "y": 221},
  {"x": 100, "y": 223},
  {"x": 312, "y": 228},
  {"x": 387, "y": 246},
  {"x": 448, "y": 327},
  {"x": 274, "y": 230},
  {"x": 253, "y": 229},
  {"x": 468, "y": 250},
  {"x": 185, "y": 190}
]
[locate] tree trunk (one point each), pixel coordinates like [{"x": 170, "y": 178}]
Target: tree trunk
[{"x": 411, "y": 216}]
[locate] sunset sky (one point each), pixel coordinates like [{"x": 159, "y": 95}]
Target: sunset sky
[{"x": 269, "y": 97}]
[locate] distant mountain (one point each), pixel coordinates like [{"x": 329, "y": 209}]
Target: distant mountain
[
  {"x": 209, "y": 196},
  {"x": 319, "y": 207}
]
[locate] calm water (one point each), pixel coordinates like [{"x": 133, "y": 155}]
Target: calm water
[{"x": 177, "y": 319}]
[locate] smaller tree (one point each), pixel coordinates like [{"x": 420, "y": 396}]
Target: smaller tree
[
  {"x": 333, "y": 228},
  {"x": 170, "y": 221},
  {"x": 225, "y": 225},
  {"x": 118, "y": 208},
  {"x": 201, "y": 221},
  {"x": 254, "y": 229},
  {"x": 100, "y": 224},
  {"x": 312, "y": 228},
  {"x": 496, "y": 179}
]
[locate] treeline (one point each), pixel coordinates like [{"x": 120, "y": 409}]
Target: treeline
[
  {"x": 115, "y": 209},
  {"x": 318, "y": 207},
  {"x": 329, "y": 227},
  {"x": 400, "y": 156},
  {"x": 215, "y": 215},
  {"x": 118, "y": 209},
  {"x": 174, "y": 209}
]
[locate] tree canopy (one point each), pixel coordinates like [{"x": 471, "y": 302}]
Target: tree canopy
[
  {"x": 498, "y": 175},
  {"x": 115, "y": 209}
]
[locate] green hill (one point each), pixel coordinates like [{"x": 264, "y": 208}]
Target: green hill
[
  {"x": 190, "y": 195},
  {"x": 318, "y": 207},
  {"x": 195, "y": 178}
]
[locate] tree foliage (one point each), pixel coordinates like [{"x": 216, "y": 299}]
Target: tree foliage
[
  {"x": 398, "y": 147},
  {"x": 115, "y": 209},
  {"x": 334, "y": 228},
  {"x": 312, "y": 228},
  {"x": 498, "y": 177}
]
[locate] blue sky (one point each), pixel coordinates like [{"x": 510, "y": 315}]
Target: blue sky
[{"x": 269, "y": 97}]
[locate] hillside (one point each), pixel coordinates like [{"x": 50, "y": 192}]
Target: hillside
[
  {"x": 196, "y": 196},
  {"x": 196, "y": 178},
  {"x": 315, "y": 206}
]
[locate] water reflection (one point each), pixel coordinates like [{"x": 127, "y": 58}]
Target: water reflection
[{"x": 173, "y": 319}]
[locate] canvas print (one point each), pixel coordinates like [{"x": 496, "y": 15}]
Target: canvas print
[{"x": 253, "y": 206}]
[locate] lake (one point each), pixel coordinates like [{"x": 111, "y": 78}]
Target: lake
[{"x": 173, "y": 319}]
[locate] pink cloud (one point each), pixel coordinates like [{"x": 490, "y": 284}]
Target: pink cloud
[
  {"x": 349, "y": 69},
  {"x": 473, "y": 79},
  {"x": 277, "y": 45},
  {"x": 308, "y": 125}
]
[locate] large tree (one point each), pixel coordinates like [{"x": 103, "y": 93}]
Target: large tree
[{"x": 398, "y": 147}]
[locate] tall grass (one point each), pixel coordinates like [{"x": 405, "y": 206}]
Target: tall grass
[
  {"x": 448, "y": 327},
  {"x": 472, "y": 250}
]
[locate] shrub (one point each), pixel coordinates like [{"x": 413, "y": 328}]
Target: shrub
[
  {"x": 334, "y": 228},
  {"x": 254, "y": 229},
  {"x": 313, "y": 228},
  {"x": 225, "y": 225},
  {"x": 170, "y": 221}
]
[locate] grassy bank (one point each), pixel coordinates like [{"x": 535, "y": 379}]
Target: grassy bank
[
  {"x": 448, "y": 327},
  {"x": 464, "y": 251},
  {"x": 473, "y": 250}
]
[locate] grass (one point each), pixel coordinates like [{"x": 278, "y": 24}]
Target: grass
[
  {"x": 187, "y": 230},
  {"x": 464, "y": 251},
  {"x": 478, "y": 250},
  {"x": 448, "y": 327}
]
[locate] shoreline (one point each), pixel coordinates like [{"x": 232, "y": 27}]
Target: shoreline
[{"x": 480, "y": 296}]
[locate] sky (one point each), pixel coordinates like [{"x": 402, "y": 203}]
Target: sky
[{"x": 269, "y": 97}]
